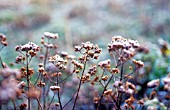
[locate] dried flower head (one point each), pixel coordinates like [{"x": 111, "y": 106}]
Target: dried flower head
[
  {"x": 77, "y": 64},
  {"x": 21, "y": 85},
  {"x": 153, "y": 83},
  {"x": 58, "y": 61},
  {"x": 108, "y": 92},
  {"x": 105, "y": 64},
  {"x": 130, "y": 88},
  {"x": 3, "y": 40},
  {"x": 29, "y": 47},
  {"x": 92, "y": 70},
  {"x": 22, "y": 106},
  {"x": 41, "y": 84},
  {"x": 139, "y": 64},
  {"x": 115, "y": 70},
  {"x": 55, "y": 88},
  {"x": 89, "y": 51},
  {"x": 51, "y": 35}
]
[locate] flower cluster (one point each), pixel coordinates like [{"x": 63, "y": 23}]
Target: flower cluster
[
  {"x": 29, "y": 47},
  {"x": 127, "y": 88},
  {"x": 129, "y": 103},
  {"x": 105, "y": 64},
  {"x": 24, "y": 72},
  {"x": 49, "y": 36},
  {"x": 55, "y": 88},
  {"x": 3, "y": 40},
  {"x": 85, "y": 77},
  {"x": 77, "y": 66},
  {"x": 119, "y": 42},
  {"x": 92, "y": 70},
  {"x": 58, "y": 61},
  {"x": 139, "y": 63},
  {"x": 153, "y": 83},
  {"x": 89, "y": 51},
  {"x": 128, "y": 46}
]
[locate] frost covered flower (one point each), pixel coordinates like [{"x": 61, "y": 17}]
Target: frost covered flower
[
  {"x": 153, "y": 83},
  {"x": 55, "y": 88}
]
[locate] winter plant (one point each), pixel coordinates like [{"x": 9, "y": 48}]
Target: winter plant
[{"x": 65, "y": 82}]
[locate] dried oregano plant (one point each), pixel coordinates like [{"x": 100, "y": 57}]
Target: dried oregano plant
[{"x": 60, "y": 75}]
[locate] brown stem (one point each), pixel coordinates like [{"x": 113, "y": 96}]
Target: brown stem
[
  {"x": 0, "y": 105},
  {"x": 51, "y": 101},
  {"x": 104, "y": 91},
  {"x": 79, "y": 85},
  {"x": 120, "y": 94},
  {"x": 59, "y": 99},
  {"x": 2, "y": 62},
  {"x": 44, "y": 89},
  {"x": 69, "y": 101},
  {"x": 13, "y": 101},
  {"x": 28, "y": 80},
  {"x": 39, "y": 104}
]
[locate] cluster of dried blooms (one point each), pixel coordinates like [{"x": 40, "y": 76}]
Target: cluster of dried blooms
[
  {"x": 53, "y": 72},
  {"x": 49, "y": 36},
  {"x": 127, "y": 46},
  {"x": 29, "y": 47},
  {"x": 58, "y": 61},
  {"x": 30, "y": 50},
  {"x": 89, "y": 51},
  {"x": 3, "y": 40}
]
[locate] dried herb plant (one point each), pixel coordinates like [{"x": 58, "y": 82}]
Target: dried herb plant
[{"x": 110, "y": 80}]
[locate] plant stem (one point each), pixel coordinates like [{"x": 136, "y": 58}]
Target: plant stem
[
  {"x": 44, "y": 88},
  {"x": 39, "y": 104},
  {"x": 59, "y": 99},
  {"x": 104, "y": 91},
  {"x": 14, "y": 104},
  {"x": 79, "y": 85},
  {"x": 120, "y": 94},
  {"x": 28, "y": 80},
  {"x": 0, "y": 105},
  {"x": 51, "y": 101},
  {"x": 1, "y": 62}
]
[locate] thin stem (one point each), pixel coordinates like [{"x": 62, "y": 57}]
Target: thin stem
[
  {"x": 120, "y": 94},
  {"x": 121, "y": 73},
  {"x": 59, "y": 99},
  {"x": 28, "y": 80},
  {"x": 66, "y": 78},
  {"x": 39, "y": 104},
  {"x": 104, "y": 91},
  {"x": 0, "y": 105},
  {"x": 130, "y": 73},
  {"x": 44, "y": 89},
  {"x": 79, "y": 84},
  {"x": 37, "y": 79},
  {"x": 51, "y": 101},
  {"x": 69, "y": 101},
  {"x": 14, "y": 105},
  {"x": 2, "y": 62},
  {"x": 2, "y": 48}
]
